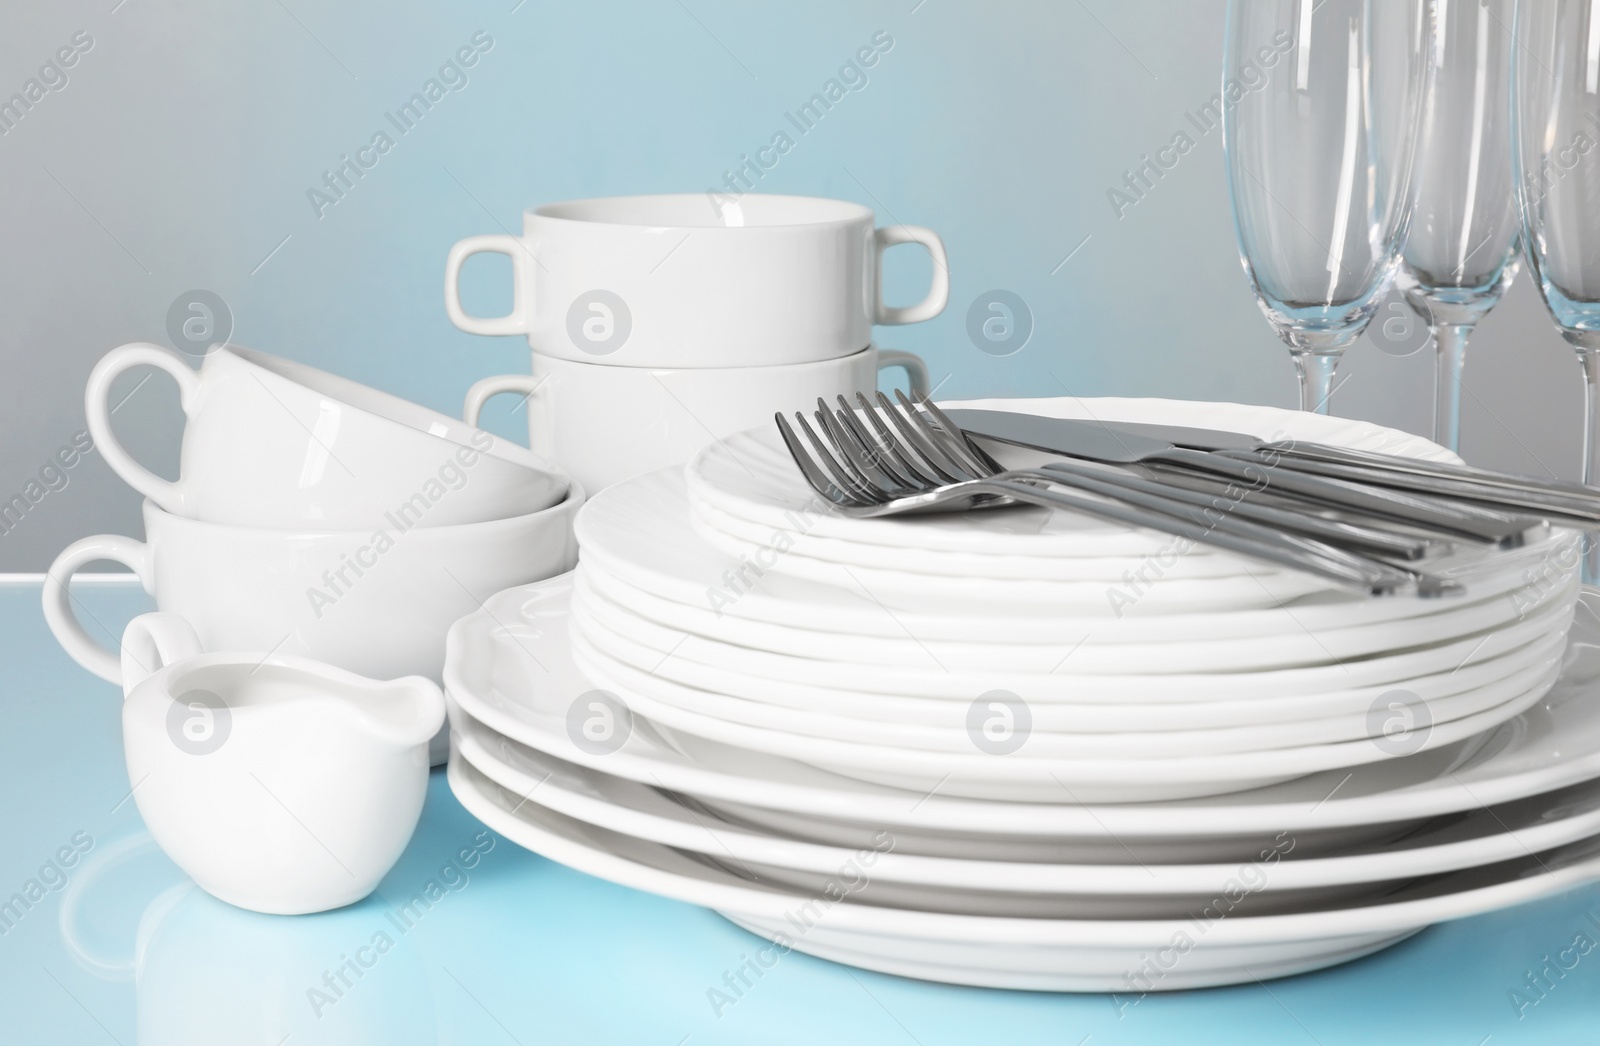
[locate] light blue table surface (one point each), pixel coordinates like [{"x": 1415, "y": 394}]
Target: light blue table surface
[{"x": 521, "y": 950}]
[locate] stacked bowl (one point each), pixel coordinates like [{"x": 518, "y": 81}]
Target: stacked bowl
[
  {"x": 659, "y": 323},
  {"x": 1029, "y": 749},
  {"x": 316, "y": 517}
]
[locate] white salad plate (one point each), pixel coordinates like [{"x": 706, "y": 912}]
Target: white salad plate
[
  {"x": 651, "y": 514},
  {"x": 1219, "y": 943},
  {"x": 509, "y": 666},
  {"x": 639, "y": 534},
  {"x": 668, "y": 627},
  {"x": 947, "y": 728},
  {"x": 751, "y": 476},
  {"x": 1485, "y": 836}
]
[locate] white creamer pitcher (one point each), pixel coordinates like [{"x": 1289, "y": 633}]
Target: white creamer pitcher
[{"x": 280, "y": 784}]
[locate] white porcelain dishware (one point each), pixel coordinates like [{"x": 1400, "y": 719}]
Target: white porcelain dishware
[
  {"x": 1008, "y": 774},
  {"x": 509, "y": 666},
  {"x": 689, "y": 280},
  {"x": 604, "y": 424},
  {"x": 280, "y": 784},
  {"x": 1024, "y": 953},
  {"x": 269, "y": 442},
  {"x": 376, "y": 602}
]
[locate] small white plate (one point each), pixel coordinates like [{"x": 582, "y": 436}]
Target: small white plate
[
  {"x": 751, "y": 475},
  {"x": 648, "y": 518},
  {"x": 1485, "y": 836},
  {"x": 1219, "y": 944},
  {"x": 639, "y": 533}
]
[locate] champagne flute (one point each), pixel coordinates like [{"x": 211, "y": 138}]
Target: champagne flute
[
  {"x": 1320, "y": 101},
  {"x": 1461, "y": 253},
  {"x": 1555, "y": 165}
]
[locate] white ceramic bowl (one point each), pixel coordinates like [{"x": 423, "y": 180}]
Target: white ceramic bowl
[{"x": 688, "y": 280}]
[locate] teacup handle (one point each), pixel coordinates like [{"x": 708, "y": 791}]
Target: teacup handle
[
  {"x": 483, "y": 391},
  {"x": 153, "y": 641},
  {"x": 520, "y": 318},
  {"x": 163, "y": 492},
  {"x": 911, "y": 363},
  {"x": 938, "y": 293},
  {"x": 64, "y": 624}
]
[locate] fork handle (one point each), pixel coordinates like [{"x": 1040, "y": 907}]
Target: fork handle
[
  {"x": 1367, "y": 539},
  {"x": 1368, "y": 575}
]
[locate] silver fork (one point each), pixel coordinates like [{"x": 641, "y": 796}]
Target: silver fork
[{"x": 907, "y": 465}]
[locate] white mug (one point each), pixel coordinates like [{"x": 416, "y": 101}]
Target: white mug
[
  {"x": 273, "y": 443},
  {"x": 683, "y": 281},
  {"x": 280, "y": 784},
  {"x": 607, "y": 424},
  {"x": 376, "y": 602}
]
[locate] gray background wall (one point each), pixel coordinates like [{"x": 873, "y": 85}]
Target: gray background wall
[{"x": 179, "y": 150}]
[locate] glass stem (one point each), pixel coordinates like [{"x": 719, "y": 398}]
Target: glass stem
[
  {"x": 1316, "y": 379},
  {"x": 1450, "y": 341},
  {"x": 1590, "y": 358}
]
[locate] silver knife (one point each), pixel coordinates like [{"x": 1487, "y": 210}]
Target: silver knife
[
  {"x": 1574, "y": 501},
  {"x": 1116, "y": 443}
]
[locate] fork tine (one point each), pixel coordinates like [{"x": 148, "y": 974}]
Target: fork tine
[
  {"x": 821, "y": 434},
  {"x": 861, "y": 470},
  {"x": 887, "y": 438},
  {"x": 870, "y": 457},
  {"x": 816, "y": 477},
  {"x": 956, "y": 433},
  {"x": 954, "y": 447},
  {"x": 935, "y": 459},
  {"x": 839, "y": 470}
]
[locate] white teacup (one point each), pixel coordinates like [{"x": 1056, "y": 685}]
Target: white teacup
[
  {"x": 377, "y": 602},
  {"x": 274, "y": 443},
  {"x": 607, "y": 424},
  {"x": 280, "y": 784},
  {"x": 689, "y": 280}
]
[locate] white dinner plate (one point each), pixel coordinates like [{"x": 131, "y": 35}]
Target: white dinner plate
[
  {"x": 509, "y": 665},
  {"x": 1456, "y": 618},
  {"x": 1484, "y": 836},
  {"x": 1081, "y": 675},
  {"x": 1018, "y": 777},
  {"x": 639, "y": 533},
  {"x": 945, "y": 727},
  {"x": 1218, "y": 944},
  {"x": 1085, "y": 714}
]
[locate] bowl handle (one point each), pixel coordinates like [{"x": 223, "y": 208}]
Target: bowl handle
[{"x": 485, "y": 390}]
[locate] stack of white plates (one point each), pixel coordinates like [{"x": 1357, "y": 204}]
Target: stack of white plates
[{"x": 937, "y": 747}]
